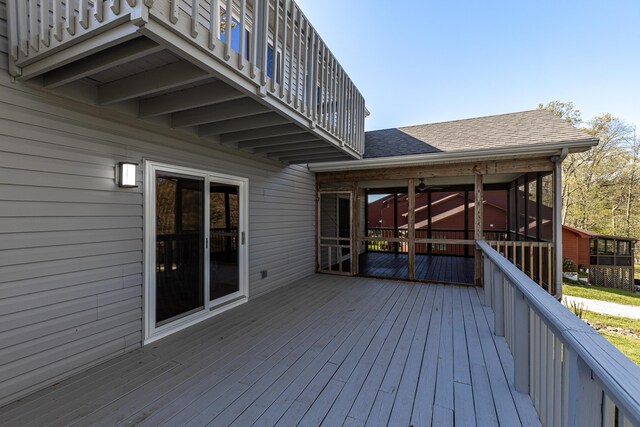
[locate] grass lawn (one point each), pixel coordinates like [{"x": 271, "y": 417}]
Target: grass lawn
[
  {"x": 637, "y": 270},
  {"x": 600, "y": 293},
  {"x": 627, "y": 344}
]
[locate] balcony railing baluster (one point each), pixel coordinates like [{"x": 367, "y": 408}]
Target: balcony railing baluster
[{"x": 285, "y": 53}]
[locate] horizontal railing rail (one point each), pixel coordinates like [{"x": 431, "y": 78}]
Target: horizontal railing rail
[
  {"x": 270, "y": 43},
  {"x": 573, "y": 375}
]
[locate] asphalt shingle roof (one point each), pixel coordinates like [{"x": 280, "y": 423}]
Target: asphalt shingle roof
[{"x": 506, "y": 130}]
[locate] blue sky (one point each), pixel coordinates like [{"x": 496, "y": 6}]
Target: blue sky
[{"x": 422, "y": 61}]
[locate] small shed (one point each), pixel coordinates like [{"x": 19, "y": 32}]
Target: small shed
[
  {"x": 575, "y": 245},
  {"x": 609, "y": 259}
]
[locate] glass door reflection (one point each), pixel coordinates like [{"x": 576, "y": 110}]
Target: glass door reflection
[
  {"x": 224, "y": 240},
  {"x": 179, "y": 246}
]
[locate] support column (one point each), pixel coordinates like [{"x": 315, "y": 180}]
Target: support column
[
  {"x": 355, "y": 228},
  {"x": 478, "y": 224},
  {"x": 411, "y": 217},
  {"x": 557, "y": 228}
]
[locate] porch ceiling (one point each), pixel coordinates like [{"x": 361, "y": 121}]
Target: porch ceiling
[
  {"x": 143, "y": 78},
  {"x": 325, "y": 349}
]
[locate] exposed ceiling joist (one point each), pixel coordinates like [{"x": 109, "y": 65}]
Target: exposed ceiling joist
[
  {"x": 280, "y": 140},
  {"x": 245, "y": 123},
  {"x": 273, "y": 131},
  {"x": 118, "y": 55},
  {"x": 169, "y": 76},
  {"x": 274, "y": 150},
  {"x": 216, "y": 113},
  {"x": 194, "y": 97}
]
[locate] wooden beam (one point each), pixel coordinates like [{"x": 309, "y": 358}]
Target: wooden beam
[
  {"x": 411, "y": 218},
  {"x": 316, "y": 159},
  {"x": 280, "y": 140},
  {"x": 295, "y": 154},
  {"x": 290, "y": 147},
  {"x": 478, "y": 225},
  {"x": 118, "y": 55},
  {"x": 216, "y": 113},
  {"x": 148, "y": 82},
  {"x": 244, "y": 123},
  {"x": 199, "y": 96},
  {"x": 454, "y": 169},
  {"x": 269, "y": 132}
]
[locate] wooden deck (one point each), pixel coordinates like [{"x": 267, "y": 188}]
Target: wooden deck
[
  {"x": 429, "y": 268},
  {"x": 326, "y": 350}
]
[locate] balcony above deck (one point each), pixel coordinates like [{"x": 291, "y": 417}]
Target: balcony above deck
[{"x": 266, "y": 84}]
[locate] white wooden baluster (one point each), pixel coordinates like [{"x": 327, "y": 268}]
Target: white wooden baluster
[
  {"x": 292, "y": 33},
  {"x": 243, "y": 34},
  {"x": 14, "y": 36},
  {"x": 550, "y": 372},
  {"x": 285, "y": 50},
  {"x": 99, "y": 12},
  {"x": 58, "y": 29},
  {"x": 344, "y": 107},
  {"x": 23, "y": 39},
  {"x": 173, "y": 11},
  {"x": 115, "y": 7},
  {"x": 84, "y": 14},
  {"x": 305, "y": 68},
  {"x": 228, "y": 29},
  {"x": 34, "y": 37},
  {"x": 320, "y": 77},
  {"x": 323, "y": 83},
  {"x": 313, "y": 81},
  {"x": 521, "y": 325},
  {"x": 264, "y": 43},
  {"x": 334, "y": 95},
  {"x": 536, "y": 367},
  {"x": 71, "y": 18},
  {"x": 498, "y": 290},
  {"x": 557, "y": 381},
  {"x": 253, "y": 59},
  {"x": 213, "y": 29},
  {"x": 299, "y": 68},
  {"x": 195, "y": 14},
  {"x": 532, "y": 356},
  {"x": 276, "y": 44},
  {"x": 45, "y": 33}
]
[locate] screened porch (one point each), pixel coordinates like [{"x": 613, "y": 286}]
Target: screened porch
[{"x": 424, "y": 227}]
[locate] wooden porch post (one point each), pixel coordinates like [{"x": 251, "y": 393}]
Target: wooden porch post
[
  {"x": 411, "y": 217},
  {"x": 557, "y": 230},
  {"x": 355, "y": 229},
  {"x": 478, "y": 224}
]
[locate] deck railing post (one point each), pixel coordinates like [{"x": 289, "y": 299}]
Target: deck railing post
[{"x": 521, "y": 346}]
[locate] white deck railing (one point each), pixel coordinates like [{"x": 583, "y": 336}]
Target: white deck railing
[
  {"x": 271, "y": 44},
  {"x": 573, "y": 375}
]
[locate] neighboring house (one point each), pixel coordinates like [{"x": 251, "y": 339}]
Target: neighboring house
[
  {"x": 608, "y": 259},
  {"x": 159, "y": 167}
]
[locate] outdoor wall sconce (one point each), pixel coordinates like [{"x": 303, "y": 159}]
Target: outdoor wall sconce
[
  {"x": 422, "y": 186},
  {"x": 126, "y": 175}
]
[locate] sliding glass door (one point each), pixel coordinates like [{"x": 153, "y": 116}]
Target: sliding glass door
[{"x": 196, "y": 252}]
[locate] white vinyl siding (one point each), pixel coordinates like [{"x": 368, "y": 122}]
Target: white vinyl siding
[{"x": 71, "y": 241}]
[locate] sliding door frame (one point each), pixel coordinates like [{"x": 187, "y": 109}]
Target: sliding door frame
[{"x": 211, "y": 308}]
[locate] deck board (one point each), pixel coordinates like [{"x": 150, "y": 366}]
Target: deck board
[
  {"x": 326, "y": 350},
  {"x": 428, "y": 268}
]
